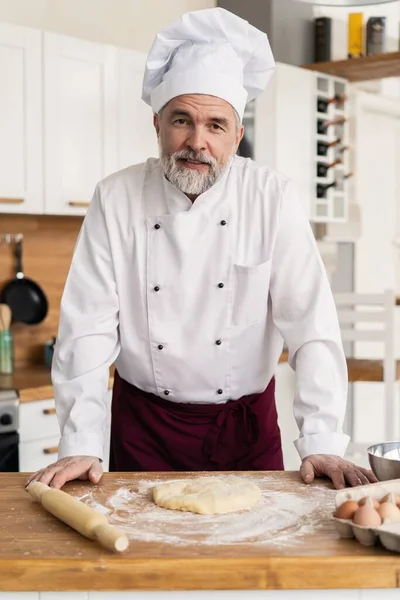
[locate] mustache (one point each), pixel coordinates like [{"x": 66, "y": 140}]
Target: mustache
[{"x": 197, "y": 156}]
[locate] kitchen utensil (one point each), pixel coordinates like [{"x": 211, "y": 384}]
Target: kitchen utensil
[
  {"x": 5, "y": 317},
  {"x": 6, "y": 341},
  {"x": 80, "y": 517},
  {"x": 26, "y": 299},
  {"x": 384, "y": 460}
]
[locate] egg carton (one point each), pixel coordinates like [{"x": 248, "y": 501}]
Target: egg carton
[{"x": 388, "y": 534}]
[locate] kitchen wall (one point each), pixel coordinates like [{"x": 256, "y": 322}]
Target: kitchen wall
[
  {"x": 126, "y": 23},
  {"x": 47, "y": 246}
]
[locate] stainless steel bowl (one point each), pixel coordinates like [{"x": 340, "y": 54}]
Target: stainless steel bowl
[{"x": 385, "y": 460}]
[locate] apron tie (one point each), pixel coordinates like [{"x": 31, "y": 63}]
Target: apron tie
[{"x": 239, "y": 417}]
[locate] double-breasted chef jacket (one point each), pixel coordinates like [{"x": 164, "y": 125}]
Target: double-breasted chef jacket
[{"x": 192, "y": 301}]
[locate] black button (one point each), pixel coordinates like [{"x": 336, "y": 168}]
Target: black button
[
  {"x": 157, "y": 288},
  {"x": 220, "y": 285},
  {"x": 166, "y": 392},
  {"x": 223, "y": 222},
  {"x": 157, "y": 226},
  {"x": 218, "y": 342},
  {"x": 220, "y": 391},
  {"x": 160, "y": 346}
]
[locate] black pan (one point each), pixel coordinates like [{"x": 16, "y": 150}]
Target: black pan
[{"x": 26, "y": 299}]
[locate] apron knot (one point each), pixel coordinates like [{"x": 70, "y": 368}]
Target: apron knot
[{"x": 237, "y": 421}]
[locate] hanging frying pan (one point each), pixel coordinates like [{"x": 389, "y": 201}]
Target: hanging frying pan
[{"x": 26, "y": 299}]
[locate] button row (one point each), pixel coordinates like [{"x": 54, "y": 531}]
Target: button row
[
  {"x": 157, "y": 287},
  {"x": 166, "y": 392},
  {"x": 158, "y": 226},
  {"x": 161, "y": 346}
]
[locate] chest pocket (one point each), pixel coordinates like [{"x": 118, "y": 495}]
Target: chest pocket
[{"x": 250, "y": 293}]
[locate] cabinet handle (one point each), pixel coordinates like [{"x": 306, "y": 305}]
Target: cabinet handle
[
  {"x": 52, "y": 450},
  {"x": 49, "y": 411},
  {"x": 12, "y": 200},
  {"x": 79, "y": 204}
]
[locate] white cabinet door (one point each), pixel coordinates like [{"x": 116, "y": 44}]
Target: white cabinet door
[
  {"x": 137, "y": 136},
  {"x": 21, "y": 182},
  {"x": 81, "y": 131},
  {"x": 37, "y": 454}
]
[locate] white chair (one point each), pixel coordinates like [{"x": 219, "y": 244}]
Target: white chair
[{"x": 371, "y": 318}]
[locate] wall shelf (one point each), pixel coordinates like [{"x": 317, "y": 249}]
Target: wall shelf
[{"x": 368, "y": 68}]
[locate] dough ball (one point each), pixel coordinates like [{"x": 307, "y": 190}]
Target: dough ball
[{"x": 208, "y": 495}]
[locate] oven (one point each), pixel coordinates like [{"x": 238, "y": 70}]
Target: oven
[{"x": 9, "y": 438}]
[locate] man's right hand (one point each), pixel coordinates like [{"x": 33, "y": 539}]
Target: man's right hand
[{"x": 67, "y": 469}]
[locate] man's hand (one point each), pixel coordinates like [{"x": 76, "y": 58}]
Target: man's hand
[
  {"x": 339, "y": 470},
  {"x": 67, "y": 469}
]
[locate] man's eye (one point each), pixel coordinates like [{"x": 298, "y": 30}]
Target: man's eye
[
  {"x": 180, "y": 121},
  {"x": 215, "y": 126}
]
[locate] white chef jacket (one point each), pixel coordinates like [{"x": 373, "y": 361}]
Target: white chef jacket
[{"x": 195, "y": 299}]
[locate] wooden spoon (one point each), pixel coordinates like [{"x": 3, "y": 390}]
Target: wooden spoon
[{"x": 5, "y": 317}]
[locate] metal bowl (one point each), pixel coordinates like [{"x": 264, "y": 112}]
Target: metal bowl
[{"x": 384, "y": 460}]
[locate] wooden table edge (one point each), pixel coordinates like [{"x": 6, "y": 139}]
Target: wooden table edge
[{"x": 208, "y": 573}]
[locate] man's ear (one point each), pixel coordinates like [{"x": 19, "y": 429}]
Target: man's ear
[{"x": 156, "y": 123}]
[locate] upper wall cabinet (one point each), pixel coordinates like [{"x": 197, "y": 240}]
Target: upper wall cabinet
[
  {"x": 80, "y": 120},
  {"x": 136, "y": 134},
  {"x": 21, "y": 169}
]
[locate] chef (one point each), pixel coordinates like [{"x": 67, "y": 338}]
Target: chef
[{"x": 189, "y": 273}]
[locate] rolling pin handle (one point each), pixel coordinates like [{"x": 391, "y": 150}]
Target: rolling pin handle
[{"x": 109, "y": 537}]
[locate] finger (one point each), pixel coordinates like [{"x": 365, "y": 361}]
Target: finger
[
  {"x": 352, "y": 478},
  {"x": 337, "y": 477},
  {"x": 95, "y": 472},
  {"x": 33, "y": 477},
  {"x": 363, "y": 478},
  {"x": 70, "y": 472},
  {"x": 307, "y": 471},
  {"x": 369, "y": 475},
  {"x": 48, "y": 474}
]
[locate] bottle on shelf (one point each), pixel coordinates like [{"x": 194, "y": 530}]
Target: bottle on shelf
[
  {"x": 323, "y": 103},
  {"x": 322, "y": 125},
  {"x": 322, "y": 188},
  {"x": 323, "y": 147},
  {"x": 323, "y": 169}
]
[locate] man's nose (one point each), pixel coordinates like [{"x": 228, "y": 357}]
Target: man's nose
[{"x": 196, "y": 141}]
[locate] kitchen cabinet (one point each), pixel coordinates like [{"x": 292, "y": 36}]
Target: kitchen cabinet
[
  {"x": 39, "y": 434},
  {"x": 80, "y": 120},
  {"x": 21, "y": 183},
  {"x": 376, "y": 262},
  {"x": 290, "y": 136},
  {"x": 137, "y": 139},
  {"x": 93, "y": 121}
]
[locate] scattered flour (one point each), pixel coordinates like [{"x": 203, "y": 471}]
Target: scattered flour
[{"x": 280, "y": 518}]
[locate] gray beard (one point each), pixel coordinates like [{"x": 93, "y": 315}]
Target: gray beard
[{"x": 190, "y": 181}]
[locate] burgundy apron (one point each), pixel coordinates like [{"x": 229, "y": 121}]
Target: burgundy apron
[{"x": 149, "y": 433}]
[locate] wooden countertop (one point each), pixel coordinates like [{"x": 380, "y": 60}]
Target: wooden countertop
[
  {"x": 37, "y": 551},
  {"x": 32, "y": 383}
]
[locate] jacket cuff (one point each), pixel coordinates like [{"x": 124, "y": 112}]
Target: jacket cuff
[
  {"x": 81, "y": 444},
  {"x": 322, "y": 443}
]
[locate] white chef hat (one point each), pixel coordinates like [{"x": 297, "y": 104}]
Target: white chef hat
[{"x": 211, "y": 52}]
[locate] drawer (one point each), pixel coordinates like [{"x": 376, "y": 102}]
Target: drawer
[
  {"x": 37, "y": 455},
  {"x": 38, "y": 421}
]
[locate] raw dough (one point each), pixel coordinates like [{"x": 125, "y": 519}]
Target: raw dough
[{"x": 207, "y": 495}]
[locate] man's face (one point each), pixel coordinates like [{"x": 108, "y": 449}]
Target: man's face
[{"x": 197, "y": 135}]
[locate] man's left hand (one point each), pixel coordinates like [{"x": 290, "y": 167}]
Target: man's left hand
[{"x": 341, "y": 471}]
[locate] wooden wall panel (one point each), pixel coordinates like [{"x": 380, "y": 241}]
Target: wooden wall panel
[{"x": 48, "y": 245}]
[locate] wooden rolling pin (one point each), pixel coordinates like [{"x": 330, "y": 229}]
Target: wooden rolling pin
[{"x": 80, "y": 517}]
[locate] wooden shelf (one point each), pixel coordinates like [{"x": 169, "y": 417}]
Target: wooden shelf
[{"x": 379, "y": 66}]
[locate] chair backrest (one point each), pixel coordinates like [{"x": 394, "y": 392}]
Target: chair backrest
[{"x": 369, "y": 318}]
